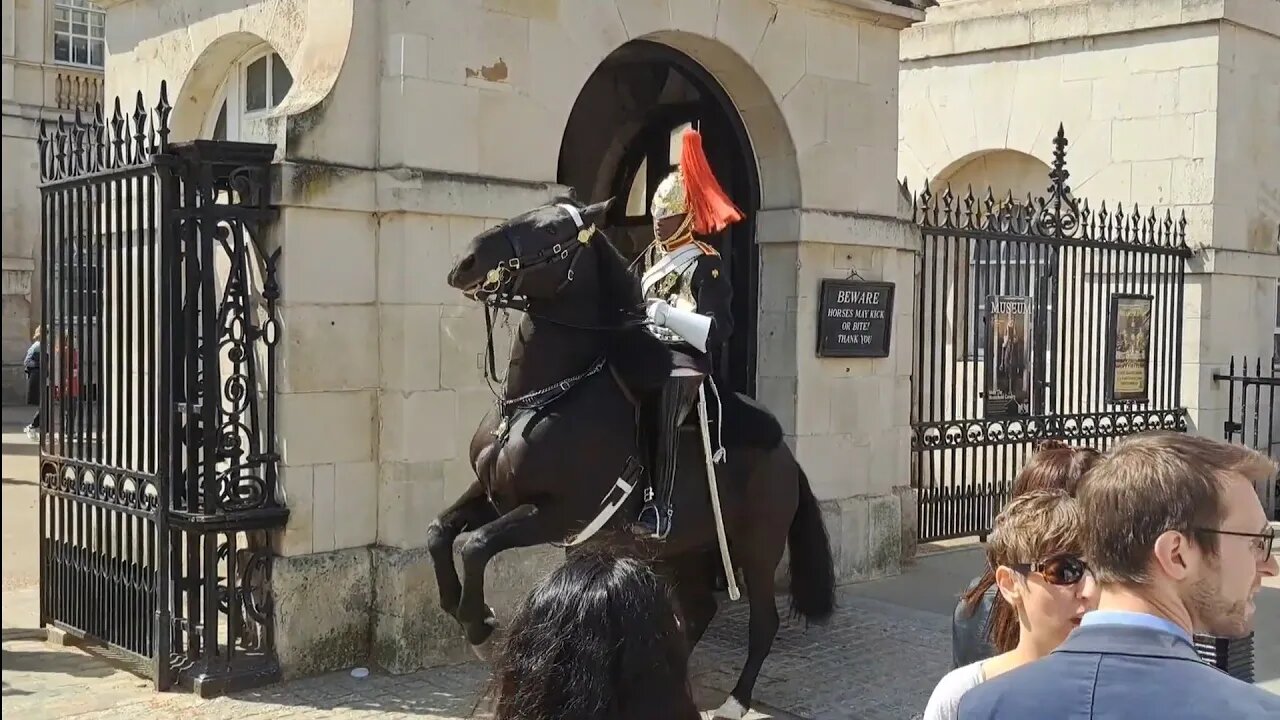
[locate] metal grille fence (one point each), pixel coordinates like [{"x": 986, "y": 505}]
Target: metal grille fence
[
  {"x": 157, "y": 444},
  {"x": 1038, "y": 318}
]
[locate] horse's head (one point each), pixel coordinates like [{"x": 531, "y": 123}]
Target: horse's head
[{"x": 533, "y": 255}]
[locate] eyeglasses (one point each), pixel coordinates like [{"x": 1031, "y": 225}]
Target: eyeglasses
[
  {"x": 1262, "y": 544},
  {"x": 1056, "y": 569}
]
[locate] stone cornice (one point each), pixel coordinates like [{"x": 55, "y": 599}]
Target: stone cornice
[
  {"x": 879, "y": 12},
  {"x": 969, "y": 26}
]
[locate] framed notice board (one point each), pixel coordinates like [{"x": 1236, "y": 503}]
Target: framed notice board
[{"x": 855, "y": 318}]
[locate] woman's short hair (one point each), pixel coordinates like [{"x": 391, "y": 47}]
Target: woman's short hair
[
  {"x": 1030, "y": 528},
  {"x": 1055, "y": 465},
  {"x": 1034, "y": 526},
  {"x": 597, "y": 639}
]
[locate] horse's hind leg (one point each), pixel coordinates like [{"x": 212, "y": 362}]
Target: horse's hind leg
[
  {"x": 471, "y": 510},
  {"x": 522, "y": 527},
  {"x": 759, "y": 559}
]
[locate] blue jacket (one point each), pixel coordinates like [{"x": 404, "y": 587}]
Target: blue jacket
[
  {"x": 1119, "y": 672},
  {"x": 32, "y": 359}
]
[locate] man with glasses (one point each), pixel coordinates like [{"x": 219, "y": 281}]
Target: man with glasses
[{"x": 1178, "y": 542}]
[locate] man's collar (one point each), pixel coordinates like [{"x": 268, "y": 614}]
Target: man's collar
[
  {"x": 1135, "y": 619},
  {"x": 1129, "y": 639}
]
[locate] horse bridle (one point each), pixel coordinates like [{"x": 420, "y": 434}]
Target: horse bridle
[{"x": 502, "y": 284}]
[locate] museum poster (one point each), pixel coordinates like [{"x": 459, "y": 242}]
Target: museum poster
[
  {"x": 1129, "y": 348},
  {"x": 1008, "y": 356}
]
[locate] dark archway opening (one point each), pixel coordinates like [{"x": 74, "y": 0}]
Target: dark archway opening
[{"x": 622, "y": 139}]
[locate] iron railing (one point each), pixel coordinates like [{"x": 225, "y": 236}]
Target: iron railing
[
  {"x": 1037, "y": 318},
  {"x": 158, "y": 486},
  {"x": 1252, "y": 416}
]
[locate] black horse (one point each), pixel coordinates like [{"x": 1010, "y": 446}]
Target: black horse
[{"x": 581, "y": 365}]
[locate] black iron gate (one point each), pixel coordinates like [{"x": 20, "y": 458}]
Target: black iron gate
[
  {"x": 1037, "y": 318},
  {"x": 157, "y": 440},
  {"x": 1252, "y": 416}
]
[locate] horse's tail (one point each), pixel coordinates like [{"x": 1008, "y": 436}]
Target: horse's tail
[{"x": 813, "y": 575}]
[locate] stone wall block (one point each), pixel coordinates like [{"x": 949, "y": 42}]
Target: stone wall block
[
  {"x": 511, "y": 120},
  {"x": 780, "y": 58},
  {"x": 406, "y": 55},
  {"x": 741, "y": 25},
  {"x": 1152, "y": 183},
  {"x": 832, "y": 48},
  {"x": 878, "y": 53},
  {"x": 355, "y": 499},
  {"x": 326, "y": 427},
  {"x": 329, "y": 347},
  {"x": 328, "y": 257},
  {"x": 324, "y": 512},
  {"x": 642, "y": 18},
  {"x": 410, "y": 496},
  {"x": 462, "y": 343},
  {"x": 805, "y": 109},
  {"x": 910, "y": 519},
  {"x": 1179, "y": 49},
  {"x": 884, "y": 535},
  {"x": 776, "y": 348},
  {"x": 848, "y": 531},
  {"x": 414, "y": 258},
  {"x": 411, "y": 631},
  {"x": 296, "y": 494},
  {"x": 409, "y": 347},
  {"x": 418, "y": 426},
  {"x": 323, "y": 604}
]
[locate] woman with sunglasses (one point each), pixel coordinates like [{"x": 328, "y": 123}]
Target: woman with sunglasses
[
  {"x": 980, "y": 626},
  {"x": 1034, "y": 551}
]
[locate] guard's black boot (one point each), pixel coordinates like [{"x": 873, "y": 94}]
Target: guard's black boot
[{"x": 673, "y": 404}]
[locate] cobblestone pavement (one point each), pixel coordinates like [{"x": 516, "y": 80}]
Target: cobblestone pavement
[{"x": 873, "y": 661}]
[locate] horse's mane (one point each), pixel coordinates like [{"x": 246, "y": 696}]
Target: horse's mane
[{"x": 642, "y": 360}]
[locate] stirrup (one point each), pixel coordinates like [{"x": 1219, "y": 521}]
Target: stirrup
[{"x": 651, "y": 523}]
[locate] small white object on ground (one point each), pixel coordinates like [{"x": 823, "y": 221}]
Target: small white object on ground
[{"x": 360, "y": 672}]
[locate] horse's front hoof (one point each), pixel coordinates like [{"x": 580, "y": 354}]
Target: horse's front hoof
[
  {"x": 482, "y": 637},
  {"x": 730, "y": 710},
  {"x": 484, "y": 651}
]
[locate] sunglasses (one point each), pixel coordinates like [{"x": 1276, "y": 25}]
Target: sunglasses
[{"x": 1056, "y": 569}]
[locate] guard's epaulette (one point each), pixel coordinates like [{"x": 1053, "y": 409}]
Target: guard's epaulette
[{"x": 706, "y": 249}]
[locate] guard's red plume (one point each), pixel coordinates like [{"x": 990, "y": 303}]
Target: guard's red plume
[{"x": 712, "y": 209}]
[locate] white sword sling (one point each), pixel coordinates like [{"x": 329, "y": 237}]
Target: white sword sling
[{"x": 715, "y": 494}]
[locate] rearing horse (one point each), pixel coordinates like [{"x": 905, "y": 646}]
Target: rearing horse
[{"x": 564, "y": 436}]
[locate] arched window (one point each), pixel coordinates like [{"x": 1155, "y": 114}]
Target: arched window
[
  {"x": 256, "y": 85},
  {"x": 653, "y": 154}
]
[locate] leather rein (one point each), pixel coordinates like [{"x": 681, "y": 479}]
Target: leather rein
[{"x": 502, "y": 292}]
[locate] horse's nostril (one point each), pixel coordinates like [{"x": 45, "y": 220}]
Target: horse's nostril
[{"x": 467, "y": 263}]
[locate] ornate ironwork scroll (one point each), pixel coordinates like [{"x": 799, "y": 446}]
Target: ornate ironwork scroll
[
  {"x": 158, "y": 450},
  {"x": 1067, "y": 260}
]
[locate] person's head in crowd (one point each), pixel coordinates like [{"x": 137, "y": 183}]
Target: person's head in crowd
[
  {"x": 1176, "y": 529},
  {"x": 597, "y": 639},
  {"x": 1044, "y": 583},
  {"x": 1054, "y": 466}
]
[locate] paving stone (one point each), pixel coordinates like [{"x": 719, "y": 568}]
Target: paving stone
[{"x": 872, "y": 661}]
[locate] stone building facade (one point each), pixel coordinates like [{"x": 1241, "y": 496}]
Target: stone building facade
[
  {"x": 52, "y": 63},
  {"x": 404, "y": 129},
  {"x": 1169, "y": 104}
]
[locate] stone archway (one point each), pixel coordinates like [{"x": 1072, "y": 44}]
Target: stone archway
[
  {"x": 621, "y": 139},
  {"x": 1003, "y": 171}
]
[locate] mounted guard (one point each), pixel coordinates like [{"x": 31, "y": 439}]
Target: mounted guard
[{"x": 688, "y": 302}]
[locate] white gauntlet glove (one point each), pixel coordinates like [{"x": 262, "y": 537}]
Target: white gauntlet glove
[{"x": 690, "y": 326}]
